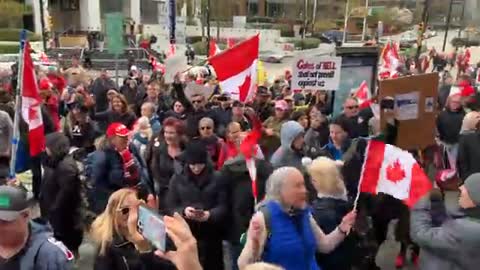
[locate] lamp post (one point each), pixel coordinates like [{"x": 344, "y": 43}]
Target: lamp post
[{"x": 42, "y": 23}]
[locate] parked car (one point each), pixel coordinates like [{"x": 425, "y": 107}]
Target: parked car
[
  {"x": 408, "y": 39},
  {"x": 332, "y": 36},
  {"x": 272, "y": 56}
]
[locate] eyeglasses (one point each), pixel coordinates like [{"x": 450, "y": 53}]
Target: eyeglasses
[
  {"x": 205, "y": 128},
  {"x": 352, "y": 107},
  {"x": 125, "y": 211},
  {"x": 197, "y": 101}
]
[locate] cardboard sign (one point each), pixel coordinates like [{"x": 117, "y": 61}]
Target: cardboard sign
[
  {"x": 174, "y": 65},
  {"x": 414, "y": 108},
  {"x": 316, "y": 73}
]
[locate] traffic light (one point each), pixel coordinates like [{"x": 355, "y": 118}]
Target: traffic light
[{"x": 421, "y": 27}]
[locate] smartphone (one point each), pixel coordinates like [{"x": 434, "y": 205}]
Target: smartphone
[
  {"x": 387, "y": 104},
  {"x": 152, "y": 227}
]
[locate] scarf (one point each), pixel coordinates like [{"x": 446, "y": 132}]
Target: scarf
[{"x": 130, "y": 170}]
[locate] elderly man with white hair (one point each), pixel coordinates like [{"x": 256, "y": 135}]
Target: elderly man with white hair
[{"x": 284, "y": 232}]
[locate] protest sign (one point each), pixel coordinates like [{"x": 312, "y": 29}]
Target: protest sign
[
  {"x": 316, "y": 73},
  {"x": 414, "y": 109},
  {"x": 174, "y": 65}
]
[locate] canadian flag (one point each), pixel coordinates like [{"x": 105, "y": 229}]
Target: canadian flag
[
  {"x": 362, "y": 94},
  {"x": 391, "y": 170},
  {"x": 213, "y": 48},
  {"x": 236, "y": 69},
  {"x": 390, "y": 61},
  {"x": 31, "y": 101}
]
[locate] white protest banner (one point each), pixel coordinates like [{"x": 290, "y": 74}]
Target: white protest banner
[
  {"x": 173, "y": 65},
  {"x": 316, "y": 73}
]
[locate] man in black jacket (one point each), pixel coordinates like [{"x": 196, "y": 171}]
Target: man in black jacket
[
  {"x": 60, "y": 193},
  {"x": 468, "y": 154}
]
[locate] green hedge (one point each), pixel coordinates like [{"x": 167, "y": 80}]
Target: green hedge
[
  {"x": 200, "y": 47},
  {"x": 9, "y": 49},
  {"x": 12, "y": 34},
  {"x": 307, "y": 43},
  {"x": 193, "y": 39},
  {"x": 285, "y": 30}
]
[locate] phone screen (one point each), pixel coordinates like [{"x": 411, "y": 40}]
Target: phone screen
[{"x": 152, "y": 227}]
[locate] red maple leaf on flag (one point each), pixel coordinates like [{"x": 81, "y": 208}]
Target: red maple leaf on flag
[
  {"x": 243, "y": 89},
  {"x": 395, "y": 172}
]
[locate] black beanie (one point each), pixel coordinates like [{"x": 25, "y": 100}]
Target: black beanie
[{"x": 195, "y": 153}]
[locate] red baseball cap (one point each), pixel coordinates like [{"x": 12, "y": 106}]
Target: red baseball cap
[{"x": 117, "y": 129}]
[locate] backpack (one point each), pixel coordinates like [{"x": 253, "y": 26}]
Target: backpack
[{"x": 268, "y": 217}]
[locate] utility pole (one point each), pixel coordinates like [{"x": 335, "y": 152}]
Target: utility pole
[
  {"x": 447, "y": 26},
  {"x": 208, "y": 28},
  {"x": 42, "y": 23},
  {"x": 462, "y": 24},
  {"x": 314, "y": 13},
  {"x": 364, "y": 31},
  {"x": 347, "y": 7},
  {"x": 426, "y": 6}
]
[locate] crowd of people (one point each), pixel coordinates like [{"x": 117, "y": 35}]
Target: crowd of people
[{"x": 183, "y": 153}]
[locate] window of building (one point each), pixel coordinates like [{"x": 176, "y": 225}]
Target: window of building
[{"x": 149, "y": 11}]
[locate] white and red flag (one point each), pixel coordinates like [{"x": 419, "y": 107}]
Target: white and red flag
[
  {"x": 213, "y": 48},
  {"x": 362, "y": 94},
  {"x": 230, "y": 43},
  {"x": 391, "y": 170},
  {"x": 236, "y": 69},
  {"x": 31, "y": 101},
  {"x": 390, "y": 61}
]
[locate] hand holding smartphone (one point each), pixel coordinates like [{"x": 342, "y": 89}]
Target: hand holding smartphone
[{"x": 152, "y": 227}]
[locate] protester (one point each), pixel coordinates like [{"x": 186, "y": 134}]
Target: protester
[
  {"x": 262, "y": 104},
  {"x": 242, "y": 200},
  {"x": 142, "y": 134},
  {"x": 100, "y": 87},
  {"x": 470, "y": 122},
  {"x": 339, "y": 141},
  {"x": 199, "y": 194},
  {"x": 198, "y": 112},
  {"x": 148, "y": 111},
  {"x": 451, "y": 245},
  {"x": 291, "y": 151},
  {"x": 291, "y": 231},
  {"x": 162, "y": 156},
  {"x": 120, "y": 245},
  {"x": 328, "y": 209},
  {"x": 356, "y": 126},
  {"x": 449, "y": 121},
  {"x": 6, "y": 134},
  {"x": 238, "y": 115},
  {"x": 27, "y": 244},
  {"x": 113, "y": 166},
  {"x": 120, "y": 113},
  {"x": 302, "y": 118},
  {"x": 178, "y": 111},
  {"x": 60, "y": 193},
  {"x": 80, "y": 129},
  {"x": 468, "y": 154},
  {"x": 214, "y": 145},
  {"x": 317, "y": 136},
  {"x": 155, "y": 94},
  {"x": 271, "y": 139}
]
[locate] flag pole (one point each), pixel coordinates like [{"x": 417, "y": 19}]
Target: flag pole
[{"x": 18, "y": 106}]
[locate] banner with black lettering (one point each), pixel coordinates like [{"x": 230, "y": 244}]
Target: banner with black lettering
[{"x": 316, "y": 73}]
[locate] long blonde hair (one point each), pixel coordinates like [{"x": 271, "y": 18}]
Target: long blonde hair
[
  {"x": 105, "y": 225},
  {"x": 326, "y": 177}
]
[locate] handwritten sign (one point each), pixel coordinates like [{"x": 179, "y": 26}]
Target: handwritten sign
[{"x": 316, "y": 73}]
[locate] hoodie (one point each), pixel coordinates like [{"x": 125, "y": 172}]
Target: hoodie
[
  {"x": 44, "y": 252},
  {"x": 285, "y": 154}
]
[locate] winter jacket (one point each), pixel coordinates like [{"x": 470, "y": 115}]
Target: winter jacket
[
  {"x": 122, "y": 255},
  {"x": 239, "y": 190},
  {"x": 448, "y": 125},
  {"x": 316, "y": 139},
  {"x": 6, "y": 134},
  {"x": 271, "y": 143},
  {"x": 60, "y": 195},
  {"x": 356, "y": 126},
  {"x": 285, "y": 155},
  {"x": 155, "y": 124},
  {"x": 328, "y": 212},
  {"x": 205, "y": 191},
  {"x": 107, "y": 175},
  {"x": 100, "y": 88},
  {"x": 194, "y": 117},
  {"x": 43, "y": 251},
  {"x": 264, "y": 111},
  {"x": 468, "y": 154},
  {"x": 161, "y": 167},
  {"x": 81, "y": 135},
  {"x": 452, "y": 246}
]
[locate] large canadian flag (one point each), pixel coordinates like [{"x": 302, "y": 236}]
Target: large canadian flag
[
  {"x": 236, "y": 69},
  {"x": 362, "y": 94},
  {"x": 31, "y": 101},
  {"x": 391, "y": 170}
]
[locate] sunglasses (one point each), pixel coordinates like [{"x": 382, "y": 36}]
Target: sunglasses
[
  {"x": 205, "y": 128},
  {"x": 125, "y": 211},
  {"x": 352, "y": 107}
]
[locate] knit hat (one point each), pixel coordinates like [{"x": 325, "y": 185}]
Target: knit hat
[
  {"x": 195, "y": 153},
  {"x": 472, "y": 185}
]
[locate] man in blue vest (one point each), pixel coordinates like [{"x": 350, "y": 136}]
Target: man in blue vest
[{"x": 25, "y": 244}]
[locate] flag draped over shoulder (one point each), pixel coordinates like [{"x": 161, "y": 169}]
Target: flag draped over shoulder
[
  {"x": 31, "y": 105},
  {"x": 391, "y": 170}
]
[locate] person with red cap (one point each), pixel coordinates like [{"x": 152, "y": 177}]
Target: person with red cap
[
  {"x": 114, "y": 165},
  {"x": 51, "y": 101}
]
